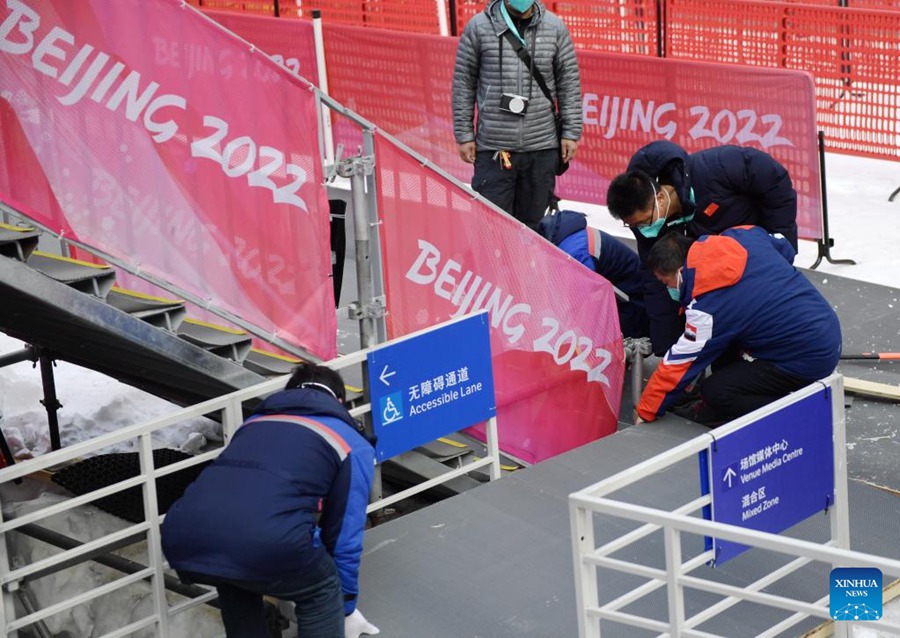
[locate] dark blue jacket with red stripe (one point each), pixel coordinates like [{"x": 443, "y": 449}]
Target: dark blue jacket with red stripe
[
  {"x": 607, "y": 256},
  {"x": 254, "y": 513},
  {"x": 740, "y": 289},
  {"x": 723, "y": 187}
]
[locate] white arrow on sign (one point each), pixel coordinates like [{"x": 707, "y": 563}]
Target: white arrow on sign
[
  {"x": 385, "y": 375},
  {"x": 729, "y": 474}
]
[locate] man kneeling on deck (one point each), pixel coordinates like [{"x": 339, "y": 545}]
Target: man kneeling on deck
[{"x": 761, "y": 325}]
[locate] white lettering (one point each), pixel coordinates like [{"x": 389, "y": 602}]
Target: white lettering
[
  {"x": 103, "y": 87},
  {"x": 515, "y": 332},
  {"x": 163, "y": 131},
  {"x": 86, "y": 80},
  {"x": 27, "y": 20},
  {"x": 471, "y": 292},
  {"x": 127, "y": 91},
  {"x": 48, "y": 49},
  {"x": 75, "y": 65},
  {"x": 429, "y": 256},
  {"x": 627, "y": 114},
  {"x": 446, "y": 278}
]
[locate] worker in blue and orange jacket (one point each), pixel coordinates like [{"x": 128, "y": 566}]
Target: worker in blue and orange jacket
[
  {"x": 281, "y": 513},
  {"x": 758, "y": 320}
]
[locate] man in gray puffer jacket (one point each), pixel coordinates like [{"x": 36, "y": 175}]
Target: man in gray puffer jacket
[{"x": 515, "y": 147}]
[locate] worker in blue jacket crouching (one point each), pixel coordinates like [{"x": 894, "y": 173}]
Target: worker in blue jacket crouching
[
  {"x": 762, "y": 325},
  {"x": 281, "y": 513}
]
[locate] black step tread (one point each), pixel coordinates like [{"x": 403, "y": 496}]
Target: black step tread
[
  {"x": 96, "y": 279},
  {"x": 18, "y": 242},
  {"x": 269, "y": 363},
  {"x": 226, "y": 342},
  {"x": 159, "y": 311}
]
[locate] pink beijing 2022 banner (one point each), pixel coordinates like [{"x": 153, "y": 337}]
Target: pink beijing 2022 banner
[
  {"x": 145, "y": 130},
  {"x": 555, "y": 340}
]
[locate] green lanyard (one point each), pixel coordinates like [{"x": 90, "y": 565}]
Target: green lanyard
[{"x": 509, "y": 21}]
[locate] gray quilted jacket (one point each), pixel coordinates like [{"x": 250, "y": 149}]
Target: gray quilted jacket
[{"x": 476, "y": 80}]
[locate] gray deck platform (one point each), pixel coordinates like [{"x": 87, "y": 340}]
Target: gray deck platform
[{"x": 496, "y": 561}]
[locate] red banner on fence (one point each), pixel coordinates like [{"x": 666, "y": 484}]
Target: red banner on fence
[
  {"x": 629, "y": 101},
  {"x": 402, "y": 82},
  {"x": 555, "y": 340},
  {"x": 149, "y": 132},
  {"x": 289, "y": 42}
]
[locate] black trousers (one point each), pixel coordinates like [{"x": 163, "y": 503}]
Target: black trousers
[
  {"x": 524, "y": 190},
  {"x": 740, "y": 386}
]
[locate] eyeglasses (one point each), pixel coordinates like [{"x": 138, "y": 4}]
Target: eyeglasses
[
  {"x": 639, "y": 225},
  {"x": 649, "y": 220}
]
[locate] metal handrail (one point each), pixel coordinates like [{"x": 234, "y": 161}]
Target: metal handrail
[{"x": 676, "y": 577}]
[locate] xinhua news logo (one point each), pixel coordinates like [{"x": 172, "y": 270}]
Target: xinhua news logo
[{"x": 855, "y": 593}]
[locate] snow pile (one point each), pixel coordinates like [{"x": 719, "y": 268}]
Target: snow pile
[{"x": 106, "y": 613}]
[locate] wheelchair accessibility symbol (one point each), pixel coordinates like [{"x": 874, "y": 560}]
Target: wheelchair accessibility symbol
[{"x": 391, "y": 408}]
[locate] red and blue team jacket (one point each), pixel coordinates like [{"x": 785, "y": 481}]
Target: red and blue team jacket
[
  {"x": 292, "y": 484},
  {"x": 739, "y": 288}
]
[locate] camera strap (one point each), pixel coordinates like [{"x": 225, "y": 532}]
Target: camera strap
[{"x": 522, "y": 52}]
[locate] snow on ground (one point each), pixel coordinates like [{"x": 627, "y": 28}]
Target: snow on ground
[
  {"x": 862, "y": 222},
  {"x": 93, "y": 404}
]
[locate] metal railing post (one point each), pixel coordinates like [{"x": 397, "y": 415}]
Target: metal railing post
[
  {"x": 840, "y": 515},
  {"x": 441, "y": 7},
  {"x": 322, "y": 72},
  {"x": 493, "y": 447},
  {"x": 50, "y": 401},
  {"x": 7, "y": 604},
  {"x": 581, "y": 520},
  {"x": 674, "y": 588},
  {"x": 154, "y": 535},
  {"x": 366, "y": 309}
]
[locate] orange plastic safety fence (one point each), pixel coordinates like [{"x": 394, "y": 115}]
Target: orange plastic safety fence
[
  {"x": 413, "y": 16},
  {"x": 852, "y": 54},
  {"x": 260, "y": 7},
  {"x": 855, "y": 4},
  {"x": 629, "y": 26}
]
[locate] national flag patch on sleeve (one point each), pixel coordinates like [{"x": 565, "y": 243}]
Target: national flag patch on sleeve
[{"x": 690, "y": 332}]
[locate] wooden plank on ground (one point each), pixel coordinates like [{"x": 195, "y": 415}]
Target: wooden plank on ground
[{"x": 872, "y": 389}]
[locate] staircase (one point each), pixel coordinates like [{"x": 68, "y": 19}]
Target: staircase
[{"x": 74, "y": 310}]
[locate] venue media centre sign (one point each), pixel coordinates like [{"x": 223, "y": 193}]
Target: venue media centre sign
[
  {"x": 431, "y": 384},
  {"x": 772, "y": 473}
]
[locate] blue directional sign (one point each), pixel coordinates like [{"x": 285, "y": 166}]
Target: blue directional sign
[
  {"x": 773, "y": 473},
  {"x": 431, "y": 384}
]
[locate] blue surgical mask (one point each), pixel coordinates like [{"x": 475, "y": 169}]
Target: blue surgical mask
[
  {"x": 521, "y": 5},
  {"x": 651, "y": 230},
  {"x": 675, "y": 293}
]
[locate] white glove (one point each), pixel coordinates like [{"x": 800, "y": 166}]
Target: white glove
[{"x": 356, "y": 625}]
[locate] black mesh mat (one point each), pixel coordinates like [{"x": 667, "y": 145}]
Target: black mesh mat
[{"x": 100, "y": 471}]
